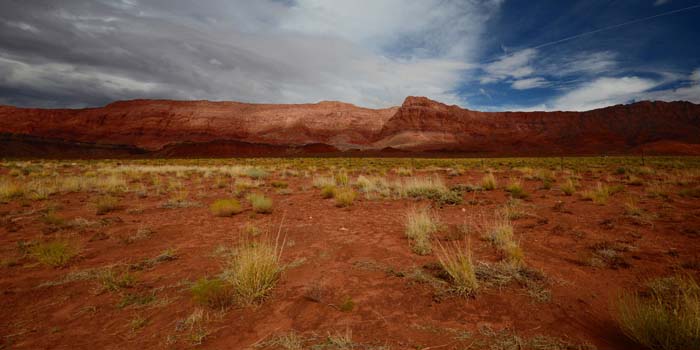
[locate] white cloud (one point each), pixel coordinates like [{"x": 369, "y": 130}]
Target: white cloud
[
  {"x": 529, "y": 83},
  {"x": 515, "y": 65},
  {"x": 603, "y": 92}
]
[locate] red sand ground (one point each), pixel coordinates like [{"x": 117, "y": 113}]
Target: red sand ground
[{"x": 346, "y": 250}]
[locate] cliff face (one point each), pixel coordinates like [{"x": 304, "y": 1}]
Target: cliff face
[{"x": 202, "y": 128}]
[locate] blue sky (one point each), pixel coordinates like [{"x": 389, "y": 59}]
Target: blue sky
[{"x": 479, "y": 54}]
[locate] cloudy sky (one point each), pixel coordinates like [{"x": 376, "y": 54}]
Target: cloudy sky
[{"x": 479, "y": 54}]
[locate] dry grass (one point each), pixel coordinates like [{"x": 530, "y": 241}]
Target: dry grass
[
  {"x": 516, "y": 190},
  {"x": 666, "y": 317},
  {"x": 255, "y": 268},
  {"x": 599, "y": 194},
  {"x": 226, "y": 207},
  {"x": 344, "y": 197},
  {"x": 106, "y": 204},
  {"x": 500, "y": 234},
  {"x": 488, "y": 182},
  {"x": 215, "y": 293},
  {"x": 54, "y": 253},
  {"x": 456, "y": 260},
  {"x": 260, "y": 203},
  {"x": 569, "y": 187},
  {"x": 420, "y": 225}
]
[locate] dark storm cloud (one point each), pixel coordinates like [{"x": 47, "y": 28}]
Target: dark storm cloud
[{"x": 86, "y": 53}]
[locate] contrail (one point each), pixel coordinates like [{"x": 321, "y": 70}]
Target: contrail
[{"x": 616, "y": 26}]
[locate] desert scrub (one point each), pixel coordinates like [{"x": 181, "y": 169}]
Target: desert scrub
[
  {"x": 599, "y": 194},
  {"x": 488, "y": 182},
  {"x": 420, "y": 225},
  {"x": 516, "y": 190},
  {"x": 344, "y": 197},
  {"x": 225, "y": 207},
  {"x": 215, "y": 293},
  {"x": 54, "y": 253},
  {"x": 342, "y": 178},
  {"x": 403, "y": 171},
  {"x": 260, "y": 203},
  {"x": 456, "y": 260},
  {"x": 105, "y": 204},
  {"x": 666, "y": 316},
  {"x": 279, "y": 184},
  {"x": 254, "y": 270}
]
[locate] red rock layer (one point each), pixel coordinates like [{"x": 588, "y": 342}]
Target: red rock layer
[{"x": 202, "y": 128}]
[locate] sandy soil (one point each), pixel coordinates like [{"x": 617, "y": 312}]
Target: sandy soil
[{"x": 347, "y": 253}]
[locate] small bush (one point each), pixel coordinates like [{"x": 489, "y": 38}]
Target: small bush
[
  {"x": 344, "y": 197},
  {"x": 420, "y": 225},
  {"x": 260, "y": 203},
  {"x": 665, "y": 317},
  {"x": 214, "y": 293},
  {"x": 488, "y": 182},
  {"x": 324, "y": 181},
  {"x": 55, "y": 253},
  {"x": 255, "y": 269},
  {"x": 10, "y": 189},
  {"x": 106, "y": 204},
  {"x": 225, "y": 207},
  {"x": 457, "y": 262}
]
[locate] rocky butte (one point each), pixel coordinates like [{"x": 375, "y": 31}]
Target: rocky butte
[{"x": 420, "y": 126}]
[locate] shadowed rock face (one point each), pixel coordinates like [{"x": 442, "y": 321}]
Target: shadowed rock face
[{"x": 217, "y": 129}]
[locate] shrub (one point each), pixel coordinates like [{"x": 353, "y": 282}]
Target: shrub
[
  {"x": 488, "y": 182},
  {"x": 54, "y": 253},
  {"x": 113, "y": 282},
  {"x": 214, "y": 293},
  {"x": 225, "y": 207},
  {"x": 344, "y": 197},
  {"x": 260, "y": 203},
  {"x": 457, "y": 262},
  {"x": 420, "y": 225},
  {"x": 105, "y": 204},
  {"x": 666, "y": 317},
  {"x": 255, "y": 269},
  {"x": 432, "y": 188}
]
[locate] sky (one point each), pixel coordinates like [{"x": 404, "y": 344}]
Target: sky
[{"x": 490, "y": 55}]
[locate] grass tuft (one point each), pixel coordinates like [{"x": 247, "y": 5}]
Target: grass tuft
[
  {"x": 254, "y": 270},
  {"x": 225, "y": 207},
  {"x": 420, "y": 225},
  {"x": 344, "y": 196},
  {"x": 54, "y": 253},
  {"x": 215, "y": 293},
  {"x": 456, "y": 260},
  {"x": 260, "y": 203},
  {"x": 666, "y": 317}
]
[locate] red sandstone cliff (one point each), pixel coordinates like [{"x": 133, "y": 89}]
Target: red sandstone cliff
[{"x": 202, "y": 128}]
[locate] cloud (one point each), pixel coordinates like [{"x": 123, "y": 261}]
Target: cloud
[
  {"x": 515, "y": 65},
  {"x": 602, "y": 92},
  {"x": 529, "y": 83},
  {"x": 661, "y": 2},
  {"x": 370, "y": 53}
]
